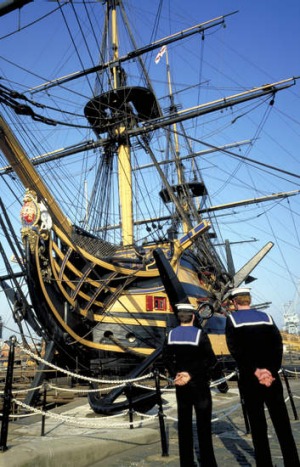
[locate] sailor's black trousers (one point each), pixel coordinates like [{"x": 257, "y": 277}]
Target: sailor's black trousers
[
  {"x": 195, "y": 395},
  {"x": 256, "y": 396}
]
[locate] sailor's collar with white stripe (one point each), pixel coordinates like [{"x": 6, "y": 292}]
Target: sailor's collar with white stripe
[
  {"x": 184, "y": 335},
  {"x": 250, "y": 318}
]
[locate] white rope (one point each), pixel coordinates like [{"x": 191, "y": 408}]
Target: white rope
[
  {"x": 212, "y": 384},
  {"x": 25, "y": 415},
  {"x": 83, "y": 391},
  {"x": 21, "y": 391},
  {"x": 143, "y": 415},
  {"x": 114, "y": 383},
  {"x": 101, "y": 422},
  {"x": 296, "y": 373},
  {"x": 142, "y": 386},
  {"x": 108, "y": 388},
  {"x": 24, "y": 391},
  {"x": 222, "y": 380},
  {"x": 84, "y": 378}
]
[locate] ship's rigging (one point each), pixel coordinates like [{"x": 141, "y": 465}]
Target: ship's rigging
[{"x": 96, "y": 260}]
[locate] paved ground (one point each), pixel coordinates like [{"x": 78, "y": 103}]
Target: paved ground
[
  {"x": 97, "y": 442},
  {"x": 232, "y": 445}
]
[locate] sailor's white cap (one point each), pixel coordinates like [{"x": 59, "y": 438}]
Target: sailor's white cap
[
  {"x": 185, "y": 307},
  {"x": 239, "y": 291}
]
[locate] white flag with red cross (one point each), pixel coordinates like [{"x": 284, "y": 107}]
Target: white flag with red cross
[{"x": 160, "y": 54}]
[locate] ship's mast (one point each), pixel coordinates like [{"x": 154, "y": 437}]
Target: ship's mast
[
  {"x": 124, "y": 157},
  {"x": 180, "y": 174}
]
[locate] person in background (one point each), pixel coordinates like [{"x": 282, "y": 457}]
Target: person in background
[
  {"x": 255, "y": 343},
  {"x": 189, "y": 357}
]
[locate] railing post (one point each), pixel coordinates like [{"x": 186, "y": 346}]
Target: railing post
[
  {"x": 130, "y": 409},
  {"x": 7, "y": 394},
  {"x": 289, "y": 393},
  {"x": 163, "y": 437},
  {"x": 44, "y": 409}
]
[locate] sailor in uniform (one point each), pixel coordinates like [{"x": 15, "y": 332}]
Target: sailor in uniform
[
  {"x": 255, "y": 343},
  {"x": 189, "y": 357}
]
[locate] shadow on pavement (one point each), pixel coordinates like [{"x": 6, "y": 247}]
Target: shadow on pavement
[{"x": 235, "y": 442}]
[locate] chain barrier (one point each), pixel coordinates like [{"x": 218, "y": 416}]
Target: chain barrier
[
  {"x": 115, "y": 383},
  {"x": 222, "y": 380},
  {"x": 295, "y": 373},
  {"x": 213, "y": 384},
  {"x": 77, "y": 421},
  {"x": 83, "y": 391},
  {"x": 84, "y": 378},
  {"x": 102, "y": 423}
]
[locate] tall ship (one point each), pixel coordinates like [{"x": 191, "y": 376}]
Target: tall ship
[{"x": 116, "y": 220}]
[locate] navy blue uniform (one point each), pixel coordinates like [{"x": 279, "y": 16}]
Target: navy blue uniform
[
  {"x": 254, "y": 341},
  {"x": 189, "y": 349}
]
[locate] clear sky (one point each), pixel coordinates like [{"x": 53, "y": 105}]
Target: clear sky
[{"x": 259, "y": 45}]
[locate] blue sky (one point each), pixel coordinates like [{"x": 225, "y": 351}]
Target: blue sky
[{"x": 259, "y": 45}]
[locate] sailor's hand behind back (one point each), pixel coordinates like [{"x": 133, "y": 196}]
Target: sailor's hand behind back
[
  {"x": 182, "y": 378},
  {"x": 264, "y": 376}
]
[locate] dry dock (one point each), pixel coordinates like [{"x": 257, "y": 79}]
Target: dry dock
[{"x": 75, "y": 437}]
